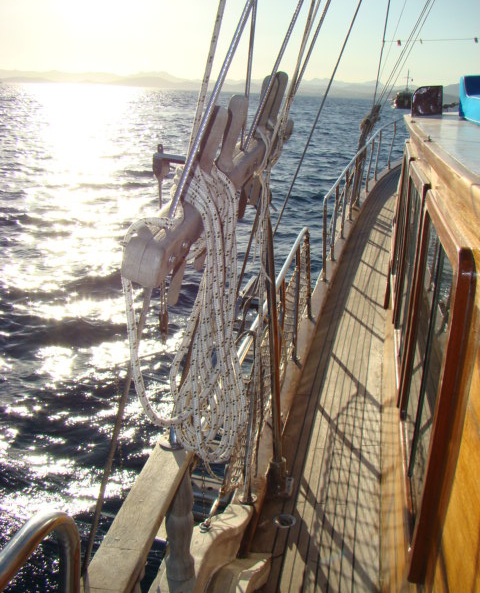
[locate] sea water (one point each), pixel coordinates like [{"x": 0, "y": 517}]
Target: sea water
[{"x": 75, "y": 172}]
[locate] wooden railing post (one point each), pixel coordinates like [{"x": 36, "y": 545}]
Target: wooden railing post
[
  {"x": 325, "y": 239},
  {"x": 375, "y": 174},
  {"x": 179, "y": 525},
  {"x": 298, "y": 279},
  {"x": 372, "y": 148},
  {"x": 308, "y": 266}
]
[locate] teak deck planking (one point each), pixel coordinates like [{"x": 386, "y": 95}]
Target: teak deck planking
[{"x": 335, "y": 542}]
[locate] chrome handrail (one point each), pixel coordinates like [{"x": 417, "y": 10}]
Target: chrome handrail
[
  {"x": 349, "y": 196},
  {"x": 25, "y": 541},
  {"x": 275, "y": 310},
  {"x": 302, "y": 238},
  {"x": 359, "y": 153}
]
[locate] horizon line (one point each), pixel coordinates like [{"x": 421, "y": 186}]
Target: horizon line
[{"x": 174, "y": 78}]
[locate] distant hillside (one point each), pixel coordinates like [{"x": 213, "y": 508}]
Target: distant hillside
[
  {"x": 163, "y": 80},
  {"x": 57, "y": 76}
]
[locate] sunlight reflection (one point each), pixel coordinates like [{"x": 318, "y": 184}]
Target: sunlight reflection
[
  {"x": 21, "y": 411},
  {"x": 110, "y": 354},
  {"x": 26, "y": 504},
  {"x": 85, "y": 487},
  {"x": 42, "y": 465},
  {"x": 4, "y": 365},
  {"x": 56, "y": 362},
  {"x": 85, "y": 308},
  {"x": 82, "y": 172},
  {"x": 77, "y": 117},
  {"x": 75, "y": 209},
  {"x": 77, "y": 497}
]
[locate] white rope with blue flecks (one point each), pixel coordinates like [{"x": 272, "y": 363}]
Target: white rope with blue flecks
[{"x": 210, "y": 406}]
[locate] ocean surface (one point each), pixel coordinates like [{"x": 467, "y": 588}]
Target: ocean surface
[{"x": 75, "y": 171}]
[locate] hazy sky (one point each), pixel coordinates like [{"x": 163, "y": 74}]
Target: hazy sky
[{"x": 126, "y": 37}]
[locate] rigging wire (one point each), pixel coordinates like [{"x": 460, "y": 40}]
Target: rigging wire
[
  {"x": 400, "y": 41},
  {"x": 192, "y": 155},
  {"x": 394, "y": 33},
  {"x": 299, "y": 67},
  {"x": 208, "y": 70},
  {"x": 263, "y": 100},
  {"x": 381, "y": 53},
  {"x": 248, "y": 79},
  {"x": 312, "y": 44},
  {"x": 399, "y": 60},
  {"x": 282, "y": 119},
  {"x": 428, "y": 10},
  {"x": 113, "y": 444},
  {"x": 320, "y": 109},
  {"x": 407, "y": 50},
  {"x": 312, "y": 15}
]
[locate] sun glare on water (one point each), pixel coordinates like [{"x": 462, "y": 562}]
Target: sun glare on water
[
  {"x": 76, "y": 136},
  {"x": 80, "y": 138},
  {"x": 82, "y": 130}
]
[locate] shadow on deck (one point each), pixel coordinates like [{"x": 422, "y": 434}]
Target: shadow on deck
[{"x": 335, "y": 542}]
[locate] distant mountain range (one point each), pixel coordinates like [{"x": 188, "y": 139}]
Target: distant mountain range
[{"x": 164, "y": 80}]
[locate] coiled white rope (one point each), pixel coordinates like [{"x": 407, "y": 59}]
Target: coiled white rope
[{"x": 210, "y": 407}]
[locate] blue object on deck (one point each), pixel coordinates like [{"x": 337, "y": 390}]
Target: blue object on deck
[{"x": 470, "y": 98}]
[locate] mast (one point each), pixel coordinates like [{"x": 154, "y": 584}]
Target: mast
[{"x": 408, "y": 79}]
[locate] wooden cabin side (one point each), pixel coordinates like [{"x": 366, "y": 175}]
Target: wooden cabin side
[
  {"x": 457, "y": 566},
  {"x": 431, "y": 521}
]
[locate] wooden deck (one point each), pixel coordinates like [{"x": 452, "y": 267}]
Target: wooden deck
[{"x": 335, "y": 542}]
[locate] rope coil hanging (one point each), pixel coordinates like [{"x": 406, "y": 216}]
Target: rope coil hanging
[{"x": 211, "y": 421}]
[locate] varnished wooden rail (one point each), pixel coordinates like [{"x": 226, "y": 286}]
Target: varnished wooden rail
[{"x": 119, "y": 563}]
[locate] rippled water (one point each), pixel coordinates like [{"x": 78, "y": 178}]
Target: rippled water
[{"x": 75, "y": 166}]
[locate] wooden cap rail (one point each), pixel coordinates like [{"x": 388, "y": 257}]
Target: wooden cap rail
[{"x": 119, "y": 563}]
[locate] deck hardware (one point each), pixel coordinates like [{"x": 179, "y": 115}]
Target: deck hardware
[
  {"x": 205, "y": 526},
  {"x": 284, "y": 521},
  {"x": 149, "y": 258},
  {"x": 277, "y": 472},
  {"x": 248, "y": 499},
  {"x": 172, "y": 444},
  {"x": 279, "y": 484},
  {"x": 161, "y": 167}
]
